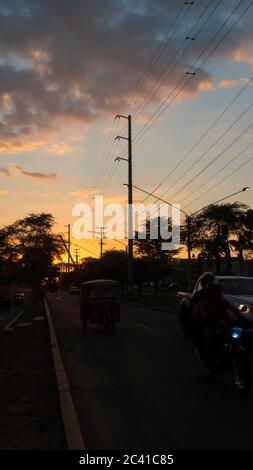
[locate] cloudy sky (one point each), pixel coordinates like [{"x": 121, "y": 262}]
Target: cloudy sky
[{"x": 67, "y": 67}]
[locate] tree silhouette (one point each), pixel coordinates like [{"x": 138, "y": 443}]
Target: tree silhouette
[
  {"x": 28, "y": 249},
  {"x": 219, "y": 229}
]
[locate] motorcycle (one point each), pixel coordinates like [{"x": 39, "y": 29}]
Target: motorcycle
[{"x": 229, "y": 356}]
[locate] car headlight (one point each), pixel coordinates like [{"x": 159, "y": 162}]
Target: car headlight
[{"x": 245, "y": 309}]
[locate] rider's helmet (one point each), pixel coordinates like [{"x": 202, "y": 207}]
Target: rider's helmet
[
  {"x": 206, "y": 277},
  {"x": 214, "y": 287}
]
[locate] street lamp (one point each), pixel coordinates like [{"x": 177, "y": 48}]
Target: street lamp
[
  {"x": 189, "y": 216},
  {"x": 247, "y": 188}
]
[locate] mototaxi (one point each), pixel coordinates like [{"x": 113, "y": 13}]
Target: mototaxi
[{"x": 99, "y": 303}]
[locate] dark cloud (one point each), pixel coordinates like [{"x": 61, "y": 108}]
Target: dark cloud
[
  {"x": 34, "y": 175},
  {"x": 5, "y": 172},
  {"x": 79, "y": 59},
  {"x": 30, "y": 174}
]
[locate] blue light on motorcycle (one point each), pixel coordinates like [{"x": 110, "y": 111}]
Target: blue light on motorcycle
[{"x": 236, "y": 332}]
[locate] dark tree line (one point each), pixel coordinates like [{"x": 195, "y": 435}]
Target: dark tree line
[
  {"x": 28, "y": 249},
  {"x": 221, "y": 231}
]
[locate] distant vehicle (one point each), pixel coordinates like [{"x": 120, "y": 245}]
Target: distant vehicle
[
  {"x": 53, "y": 287},
  {"x": 74, "y": 290},
  {"x": 19, "y": 298},
  {"x": 132, "y": 291},
  {"x": 145, "y": 284},
  {"x": 173, "y": 285},
  {"x": 99, "y": 303},
  {"x": 238, "y": 290},
  {"x": 5, "y": 302}
]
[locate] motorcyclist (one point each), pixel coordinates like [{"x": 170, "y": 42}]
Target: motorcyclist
[
  {"x": 198, "y": 295},
  {"x": 204, "y": 280},
  {"x": 211, "y": 314}
]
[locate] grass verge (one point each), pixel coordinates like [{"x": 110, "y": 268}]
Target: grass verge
[{"x": 29, "y": 408}]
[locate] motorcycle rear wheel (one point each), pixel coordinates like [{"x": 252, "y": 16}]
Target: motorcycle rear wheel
[
  {"x": 242, "y": 374},
  {"x": 109, "y": 324}
]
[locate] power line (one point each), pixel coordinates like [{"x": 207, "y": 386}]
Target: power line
[
  {"x": 227, "y": 107},
  {"x": 143, "y": 131},
  {"x": 209, "y": 16},
  {"x": 217, "y": 173},
  {"x": 109, "y": 163},
  {"x": 86, "y": 249},
  {"x": 188, "y": 38},
  {"x": 106, "y": 154},
  {"x": 210, "y": 53},
  {"x": 205, "y": 60},
  {"x": 159, "y": 51},
  {"x": 211, "y": 146},
  {"x": 224, "y": 179},
  {"x": 150, "y": 66},
  {"x": 111, "y": 175},
  {"x": 238, "y": 137},
  {"x": 192, "y": 74},
  {"x": 198, "y": 57},
  {"x": 210, "y": 163}
]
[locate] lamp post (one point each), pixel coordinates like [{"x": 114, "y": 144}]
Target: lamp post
[{"x": 188, "y": 217}]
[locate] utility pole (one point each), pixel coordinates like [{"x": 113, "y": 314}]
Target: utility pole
[
  {"x": 77, "y": 255},
  {"x": 67, "y": 250},
  {"x": 189, "y": 267},
  {"x": 68, "y": 268},
  {"x": 102, "y": 236},
  {"x": 130, "y": 196}
]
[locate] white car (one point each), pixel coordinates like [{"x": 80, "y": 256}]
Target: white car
[{"x": 238, "y": 290}]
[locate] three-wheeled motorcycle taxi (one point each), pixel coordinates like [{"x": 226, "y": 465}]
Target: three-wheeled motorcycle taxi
[{"x": 99, "y": 303}]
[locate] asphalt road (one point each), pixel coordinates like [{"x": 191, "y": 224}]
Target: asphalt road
[{"x": 141, "y": 388}]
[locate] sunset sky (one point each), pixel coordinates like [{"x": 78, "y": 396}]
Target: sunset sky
[{"x": 68, "y": 67}]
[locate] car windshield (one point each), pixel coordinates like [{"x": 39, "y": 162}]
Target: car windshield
[
  {"x": 237, "y": 286},
  {"x": 104, "y": 292}
]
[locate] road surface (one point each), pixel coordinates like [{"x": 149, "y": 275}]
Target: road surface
[{"x": 141, "y": 388}]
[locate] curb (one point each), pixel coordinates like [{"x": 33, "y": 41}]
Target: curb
[{"x": 72, "y": 429}]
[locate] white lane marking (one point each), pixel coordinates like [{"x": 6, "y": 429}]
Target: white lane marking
[
  {"x": 154, "y": 330},
  {"x": 152, "y": 308},
  {"x": 70, "y": 420}
]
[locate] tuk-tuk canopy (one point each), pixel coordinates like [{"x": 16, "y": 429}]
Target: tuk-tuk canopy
[{"x": 100, "y": 288}]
